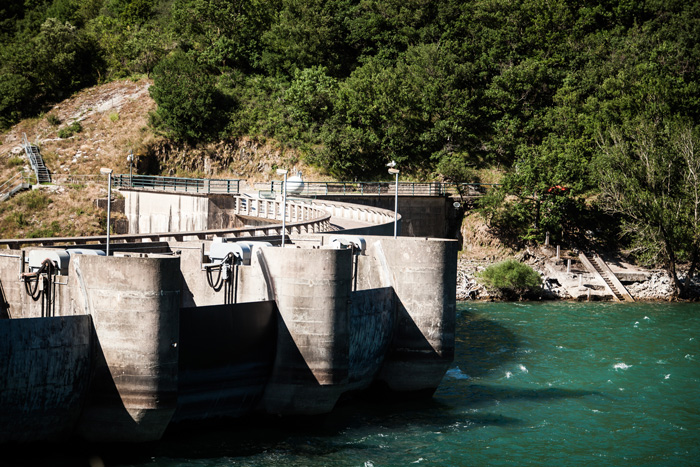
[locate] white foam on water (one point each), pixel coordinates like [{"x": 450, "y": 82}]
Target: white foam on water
[
  {"x": 621, "y": 366},
  {"x": 456, "y": 373},
  {"x": 508, "y": 374},
  {"x": 667, "y": 376},
  {"x": 523, "y": 368}
]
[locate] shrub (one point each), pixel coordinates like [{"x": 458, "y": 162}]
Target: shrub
[
  {"x": 510, "y": 279},
  {"x": 53, "y": 120},
  {"x": 70, "y": 130}
]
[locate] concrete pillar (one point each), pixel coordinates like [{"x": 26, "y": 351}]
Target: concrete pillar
[
  {"x": 312, "y": 290},
  {"x": 424, "y": 276},
  {"x": 134, "y": 303}
]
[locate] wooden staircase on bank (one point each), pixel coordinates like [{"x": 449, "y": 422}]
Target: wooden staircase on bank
[{"x": 599, "y": 268}]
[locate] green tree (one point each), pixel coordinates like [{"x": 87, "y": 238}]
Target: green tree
[
  {"x": 650, "y": 175},
  {"x": 190, "y": 106},
  {"x": 226, "y": 33}
]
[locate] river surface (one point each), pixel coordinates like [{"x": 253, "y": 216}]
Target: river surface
[{"x": 558, "y": 383}]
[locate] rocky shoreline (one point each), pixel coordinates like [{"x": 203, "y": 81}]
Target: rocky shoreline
[{"x": 655, "y": 286}]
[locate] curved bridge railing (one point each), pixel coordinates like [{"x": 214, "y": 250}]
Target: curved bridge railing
[
  {"x": 302, "y": 215},
  {"x": 301, "y": 218}
]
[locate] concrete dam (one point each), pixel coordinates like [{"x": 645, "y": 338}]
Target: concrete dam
[{"x": 116, "y": 348}]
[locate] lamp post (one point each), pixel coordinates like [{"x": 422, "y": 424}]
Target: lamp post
[
  {"x": 108, "y": 172},
  {"x": 284, "y": 203},
  {"x": 394, "y": 171}
]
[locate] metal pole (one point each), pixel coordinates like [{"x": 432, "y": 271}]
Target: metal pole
[
  {"x": 109, "y": 208},
  {"x": 396, "y": 202},
  {"x": 108, "y": 172},
  {"x": 284, "y": 209}
]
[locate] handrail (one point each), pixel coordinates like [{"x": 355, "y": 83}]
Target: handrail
[
  {"x": 6, "y": 193},
  {"x": 180, "y": 184},
  {"x": 381, "y": 188},
  {"x": 18, "y": 174}
]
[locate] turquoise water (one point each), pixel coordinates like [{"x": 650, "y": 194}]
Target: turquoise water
[{"x": 564, "y": 384}]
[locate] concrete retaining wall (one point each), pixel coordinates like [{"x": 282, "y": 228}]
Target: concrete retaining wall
[
  {"x": 421, "y": 216},
  {"x": 45, "y": 367}
]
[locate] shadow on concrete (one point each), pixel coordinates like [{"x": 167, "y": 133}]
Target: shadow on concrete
[
  {"x": 4, "y": 305},
  {"x": 226, "y": 355}
]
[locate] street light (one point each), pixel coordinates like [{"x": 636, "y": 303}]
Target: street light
[
  {"x": 394, "y": 171},
  {"x": 108, "y": 172},
  {"x": 284, "y": 203}
]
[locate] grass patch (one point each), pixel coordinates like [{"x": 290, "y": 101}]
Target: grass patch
[
  {"x": 17, "y": 219},
  {"x": 114, "y": 116},
  {"x": 34, "y": 200},
  {"x": 15, "y": 161},
  {"x": 53, "y": 229}
]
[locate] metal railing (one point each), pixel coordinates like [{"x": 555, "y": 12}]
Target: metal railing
[
  {"x": 379, "y": 188},
  {"x": 178, "y": 184},
  {"x": 18, "y": 182}
]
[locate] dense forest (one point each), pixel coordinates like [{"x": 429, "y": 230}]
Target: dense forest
[{"x": 589, "y": 108}]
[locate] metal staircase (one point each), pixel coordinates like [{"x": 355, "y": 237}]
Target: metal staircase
[
  {"x": 36, "y": 161},
  {"x": 598, "y": 267}
]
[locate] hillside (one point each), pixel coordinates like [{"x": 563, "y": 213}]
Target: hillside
[{"x": 113, "y": 120}]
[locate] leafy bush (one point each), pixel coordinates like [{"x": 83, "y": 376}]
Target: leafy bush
[
  {"x": 510, "y": 279},
  {"x": 70, "y": 130}
]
